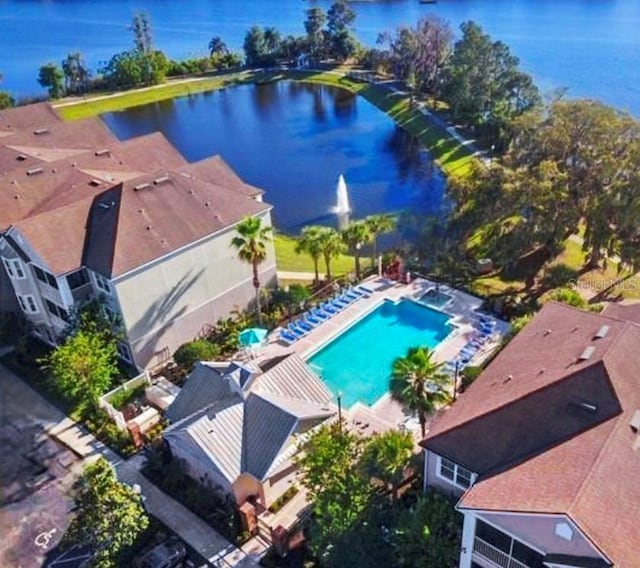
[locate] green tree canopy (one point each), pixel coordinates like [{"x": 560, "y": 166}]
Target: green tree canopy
[
  {"x": 419, "y": 383},
  {"x": 331, "y": 246},
  {"x": 313, "y": 24},
  {"x": 51, "y": 77},
  {"x": 340, "y": 493},
  {"x": 251, "y": 243},
  {"x": 84, "y": 365},
  {"x": 379, "y": 225},
  {"x": 355, "y": 236},
  {"x": 142, "y": 35},
  {"x": 217, "y": 46},
  {"x": 109, "y": 515},
  {"x": 76, "y": 73},
  {"x": 310, "y": 242},
  {"x": 342, "y": 41}
]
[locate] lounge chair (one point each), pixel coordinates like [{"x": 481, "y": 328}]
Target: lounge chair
[
  {"x": 287, "y": 337},
  {"x": 320, "y": 314},
  {"x": 339, "y": 302},
  {"x": 295, "y": 330},
  {"x": 365, "y": 289},
  {"x": 311, "y": 319},
  {"x": 353, "y": 294},
  {"x": 303, "y": 325},
  {"x": 327, "y": 307},
  {"x": 346, "y": 297}
]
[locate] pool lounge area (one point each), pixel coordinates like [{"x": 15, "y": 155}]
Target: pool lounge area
[{"x": 346, "y": 358}]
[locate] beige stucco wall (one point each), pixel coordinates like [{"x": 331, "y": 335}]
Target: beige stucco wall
[{"x": 169, "y": 301}]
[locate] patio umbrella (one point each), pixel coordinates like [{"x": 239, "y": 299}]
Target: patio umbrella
[{"x": 252, "y": 336}]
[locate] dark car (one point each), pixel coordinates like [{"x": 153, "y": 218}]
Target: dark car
[{"x": 168, "y": 554}]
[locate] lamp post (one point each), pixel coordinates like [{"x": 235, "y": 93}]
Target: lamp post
[{"x": 339, "y": 396}]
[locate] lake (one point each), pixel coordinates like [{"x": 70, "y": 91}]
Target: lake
[
  {"x": 590, "y": 46},
  {"x": 293, "y": 140}
]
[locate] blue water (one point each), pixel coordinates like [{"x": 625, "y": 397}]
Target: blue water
[
  {"x": 590, "y": 46},
  {"x": 293, "y": 140},
  {"x": 357, "y": 364}
]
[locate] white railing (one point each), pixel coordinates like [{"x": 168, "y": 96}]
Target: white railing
[{"x": 494, "y": 555}]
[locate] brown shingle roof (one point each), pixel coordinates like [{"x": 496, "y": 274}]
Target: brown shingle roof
[
  {"x": 215, "y": 170},
  {"x": 32, "y": 116},
  {"x": 589, "y": 472}
]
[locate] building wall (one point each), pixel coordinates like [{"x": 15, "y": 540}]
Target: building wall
[
  {"x": 539, "y": 532},
  {"x": 170, "y": 301},
  {"x": 432, "y": 479},
  {"x": 245, "y": 486}
]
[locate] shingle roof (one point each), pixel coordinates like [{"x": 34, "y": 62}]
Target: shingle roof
[
  {"x": 269, "y": 419},
  {"x": 216, "y": 170},
  {"x": 33, "y": 116},
  {"x": 561, "y": 444}
]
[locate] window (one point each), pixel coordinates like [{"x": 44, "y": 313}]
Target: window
[
  {"x": 28, "y": 304},
  {"x": 45, "y": 277},
  {"x": 14, "y": 268},
  {"x": 102, "y": 283},
  {"x": 57, "y": 311},
  {"x": 77, "y": 279},
  {"x": 454, "y": 473}
]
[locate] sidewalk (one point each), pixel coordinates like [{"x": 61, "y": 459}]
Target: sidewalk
[{"x": 188, "y": 526}]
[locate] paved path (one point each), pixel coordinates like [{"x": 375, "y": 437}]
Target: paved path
[
  {"x": 290, "y": 275},
  {"x": 193, "y": 530}
]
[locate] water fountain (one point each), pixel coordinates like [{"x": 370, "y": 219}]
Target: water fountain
[{"x": 342, "y": 197}]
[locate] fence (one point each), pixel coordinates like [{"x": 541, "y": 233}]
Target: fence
[{"x": 113, "y": 412}]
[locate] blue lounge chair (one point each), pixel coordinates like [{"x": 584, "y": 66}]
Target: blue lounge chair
[
  {"x": 344, "y": 297},
  {"x": 295, "y": 330},
  {"x": 311, "y": 319},
  {"x": 320, "y": 314},
  {"x": 329, "y": 308},
  {"x": 339, "y": 302},
  {"x": 303, "y": 325},
  {"x": 287, "y": 337},
  {"x": 338, "y": 306},
  {"x": 366, "y": 292}
]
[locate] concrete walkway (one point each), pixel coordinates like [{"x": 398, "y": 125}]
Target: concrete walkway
[
  {"x": 289, "y": 275},
  {"x": 188, "y": 526}
]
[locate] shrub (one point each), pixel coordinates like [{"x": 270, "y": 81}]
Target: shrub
[
  {"x": 126, "y": 395},
  {"x": 469, "y": 374},
  {"x": 199, "y": 350},
  {"x": 559, "y": 275},
  {"x": 281, "y": 501},
  {"x": 568, "y": 296}
]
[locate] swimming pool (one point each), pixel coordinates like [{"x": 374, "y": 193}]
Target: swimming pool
[
  {"x": 357, "y": 364},
  {"x": 435, "y": 298}
]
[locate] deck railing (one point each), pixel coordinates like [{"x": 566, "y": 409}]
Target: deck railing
[{"x": 494, "y": 555}]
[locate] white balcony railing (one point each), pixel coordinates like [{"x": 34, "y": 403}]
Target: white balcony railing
[{"x": 494, "y": 555}]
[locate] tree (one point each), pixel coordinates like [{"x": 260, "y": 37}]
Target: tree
[
  {"x": 109, "y": 515},
  {"x": 313, "y": 25},
  {"x": 418, "y": 383},
  {"x": 76, "y": 73},
  {"x": 331, "y": 246},
  {"x": 428, "y": 534},
  {"x": 342, "y": 42},
  {"x": 188, "y": 354},
  {"x": 355, "y": 235},
  {"x": 141, "y": 28},
  {"x": 378, "y": 225},
  {"x": 484, "y": 87},
  {"x": 251, "y": 243},
  {"x": 131, "y": 68},
  {"x": 309, "y": 242},
  {"x": 330, "y": 472},
  {"x": 51, "y": 77},
  {"x": 217, "y": 46},
  {"x": 261, "y": 46},
  {"x": 386, "y": 457},
  {"x": 84, "y": 365},
  {"x": 6, "y": 100}
]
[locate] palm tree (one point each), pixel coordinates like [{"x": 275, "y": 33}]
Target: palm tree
[
  {"x": 379, "y": 225},
  {"x": 217, "y": 46},
  {"x": 386, "y": 457},
  {"x": 309, "y": 242},
  {"x": 331, "y": 246},
  {"x": 251, "y": 244},
  {"x": 354, "y": 236},
  {"x": 418, "y": 383}
]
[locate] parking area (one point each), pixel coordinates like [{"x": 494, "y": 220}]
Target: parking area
[{"x": 36, "y": 473}]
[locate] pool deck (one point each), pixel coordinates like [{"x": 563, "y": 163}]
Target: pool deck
[{"x": 464, "y": 316}]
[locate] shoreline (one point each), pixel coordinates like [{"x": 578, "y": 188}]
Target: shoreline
[{"x": 452, "y": 155}]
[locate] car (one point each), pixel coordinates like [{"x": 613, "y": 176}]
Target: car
[{"x": 167, "y": 554}]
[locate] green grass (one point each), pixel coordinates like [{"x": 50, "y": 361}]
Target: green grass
[
  {"x": 288, "y": 260},
  {"x": 451, "y": 156}
]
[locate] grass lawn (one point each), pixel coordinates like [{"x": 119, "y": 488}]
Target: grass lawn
[
  {"x": 288, "y": 260},
  {"x": 453, "y": 157}
]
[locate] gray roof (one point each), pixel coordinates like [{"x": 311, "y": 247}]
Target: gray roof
[
  {"x": 204, "y": 387},
  {"x": 245, "y": 430},
  {"x": 293, "y": 378}
]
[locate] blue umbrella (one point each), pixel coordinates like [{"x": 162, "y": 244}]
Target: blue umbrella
[{"x": 252, "y": 336}]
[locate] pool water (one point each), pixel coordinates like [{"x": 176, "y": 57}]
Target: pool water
[
  {"x": 357, "y": 364},
  {"x": 436, "y": 298}
]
